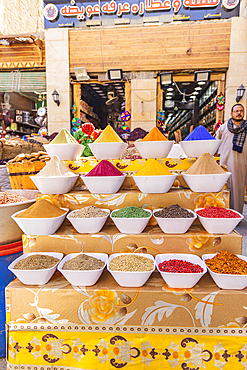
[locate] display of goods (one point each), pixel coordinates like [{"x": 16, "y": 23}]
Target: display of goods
[
  {"x": 205, "y": 164},
  {"x": 84, "y": 139},
  {"x": 154, "y": 135},
  {"x": 130, "y": 212},
  {"x": 137, "y": 133},
  {"x": 199, "y": 133},
  {"x": 180, "y": 267},
  {"x": 131, "y": 263},
  {"x": 108, "y": 135},
  {"x": 217, "y": 212},
  {"x": 104, "y": 168},
  {"x": 64, "y": 137},
  {"x": 153, "y": 168},
  {"x": 132, "y": 153},
  {"x": 227, "y": 263},
  {"x": 36, "y": 262},
  {"x": 55, "y": 167},
  {"x": 9, "y": 198},
  {"x": 83, "y": 262},
  {"x": 41, "y": 209},
  {"x": 174, "y": 211},
  {"x": 33, "y": 157}
]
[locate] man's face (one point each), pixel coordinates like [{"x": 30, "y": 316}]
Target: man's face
[{"x": 237, "y": 114}]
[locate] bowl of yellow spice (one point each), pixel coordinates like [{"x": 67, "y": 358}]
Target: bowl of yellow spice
[{"x": 42, "y": 218}]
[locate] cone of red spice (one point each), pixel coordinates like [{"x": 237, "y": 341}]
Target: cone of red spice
[{"x": 104, "y": 168}]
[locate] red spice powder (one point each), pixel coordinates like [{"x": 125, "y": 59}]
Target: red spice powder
[
  {"x": 217, "y": 212},
  {"x": 104, "y": 168}
]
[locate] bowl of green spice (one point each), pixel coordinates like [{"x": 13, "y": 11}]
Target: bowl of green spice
[{"x": 131, "y": 220}]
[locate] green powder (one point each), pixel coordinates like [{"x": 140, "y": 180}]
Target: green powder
[{"x": 131, "y": 212}]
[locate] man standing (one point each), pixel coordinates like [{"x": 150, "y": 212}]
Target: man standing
[{"x": 233, "y": 153}]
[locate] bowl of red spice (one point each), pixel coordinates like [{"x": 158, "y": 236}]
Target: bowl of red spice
[
  {"x": 216, "y": 220},
  {"x": 180, "y": 270},
  {"x": 228, "y": 270}
]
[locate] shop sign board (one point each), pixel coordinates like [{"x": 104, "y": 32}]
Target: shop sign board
[{"x": 65, "y": 13}]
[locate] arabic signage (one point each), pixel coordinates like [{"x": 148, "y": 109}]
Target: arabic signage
[{"x": 61, "y": 13}]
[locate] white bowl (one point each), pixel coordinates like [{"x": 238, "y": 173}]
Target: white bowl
[
  {"x": 108, "y": 150},
  {"x": 131, "y": 225},
  {"x": 85, "y": 225},
  {"x": 82, "y": 277},
  {"x": 227, "y": 281},
  {"x": 176, "y": 152},
  {"x": 154, "y": 184},
  {"x": 54, "y": 184},
  {"x": 219, "y": 225},
  {"x": 35, "y": 277},
  {"x": 66, "y": 152},
  {"x": 209, "y": 183},
  {"x": 195, "y": 148},
  {"x": 39, "y": 226},
  {"x": 130, "y": 279},
  {"x": 174, "y": 225},
  {"x": 154, "y": 149},
  {"x": 103, "y": 184},
  {"x": 180, "y": 280}
]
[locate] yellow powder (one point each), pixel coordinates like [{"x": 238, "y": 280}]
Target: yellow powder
[
  {"x": 154, "y": 135},
  {"x": 153, "y": 168},
  {"x": 64, "y": 137},
  {"x": 41, "y": 209},
  {"x": 108, "y": 135},
  {"x": 205, "y": 164}
]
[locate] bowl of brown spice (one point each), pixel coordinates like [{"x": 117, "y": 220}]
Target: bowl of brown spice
[
  {"x": 83, "y": 269},
  {"x": 35, "y": 268},
  {"x": 88, "y": 220}
]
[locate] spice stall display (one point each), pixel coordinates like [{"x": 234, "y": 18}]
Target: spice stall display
[{"x": 154, "y": 145}]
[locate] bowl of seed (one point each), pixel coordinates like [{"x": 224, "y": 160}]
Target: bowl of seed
[
  {"x": 88, "y": 220},
  {"x": 83, "y": 269},
  {"x": 35, "y": 268},
  {"x": 174, "y": 219},
  {"x": 131, "y": 269},
  {"x": 131, "y": 220}
]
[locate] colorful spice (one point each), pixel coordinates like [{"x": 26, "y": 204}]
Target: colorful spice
[
  {"x": 153, "y": 168},
  {"x": 83, "y": 262},
  {"x": 174, "y": 211},
  {"x": 36, "y": 262},
  {"x": 131, "y": 212},
  {"x": 155, "y": 135},
  {"x": 132, "y": 263},
  {"x": 227, "y": 263},
  {"x": 199, "y": 133},
  {"x": 104, "y": 168},
  {"x": 217, "y": 212},
  {"x": 108, "y": 135},
  {"x": 180, "y": 267},
  {"x": 89, "y": 212},
  {"x": 9, "y": 198},
  {"x": 205, "y": 164},
  {"x": 41, "y": 209},
  {"x": 54, "y": 168},
  {"x": 64, "y": 137}
]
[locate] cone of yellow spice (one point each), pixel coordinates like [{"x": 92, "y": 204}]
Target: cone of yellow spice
[
  {"x": 154, "y": 135},
  {"x": 153, "y": 168},
  {"x": 108, "y": 135},
  {"x": 42, "y": 209}
]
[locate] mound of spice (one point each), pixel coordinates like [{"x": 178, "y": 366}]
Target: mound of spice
[
  {"x": 9, "y": 198},
  {"x": 132, "y": 263},
  {"x": 199, "y": 133},
  {"x": 217, "y": 212},
  {"x": 89, "y": 212},
  {"x": 180, "y": 267},
  {"x": 64, "y": 137},
  {"x": 154, "y": 135},
  {"x": 108, "y": 135},
  {"x": 205, "y": 164},
  {"x": 83, "y": 262},
  {"x": 54, "y": 168},
  {"x": 36, "y": 262},
  {"x": 131, "y": 212},
  {"x": 104, "y": 168},
  {"x": 174, "y": 211},
  {"x": 42, "y": 209},
  {"x": 227, "y": 263},
  {"x": 153, "y": 168}
]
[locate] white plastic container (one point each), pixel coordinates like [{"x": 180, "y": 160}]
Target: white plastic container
[
  {"x": 210, "y": 183},
  {"x": 90, "y": 225},
  {"x": 154, "y": 184},
  {"x": 127, "y": 278},
  {"x": 219, "y": 225},
  {"x": 154, "y": 149},
  {"x": 174, "y": 225},
  {"x": 227, "y": 281},
  {"x": 195, "y": 148},
  {"x": 54, "y": 184},
  {"x": 66, "y": 152},
  {"x": 131, "y": 225},
  {"x": 35, "y": 277},
  {"x": 180, "y": 280},
  {"x": 39, "y": 226},
  {"x": 103, "y": 184},
  {"x": 82, "y": 277},
  {"x": 108, "y": 150}
]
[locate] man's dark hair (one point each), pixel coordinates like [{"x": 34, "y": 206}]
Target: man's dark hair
[{"x": 236, "y": 105}]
